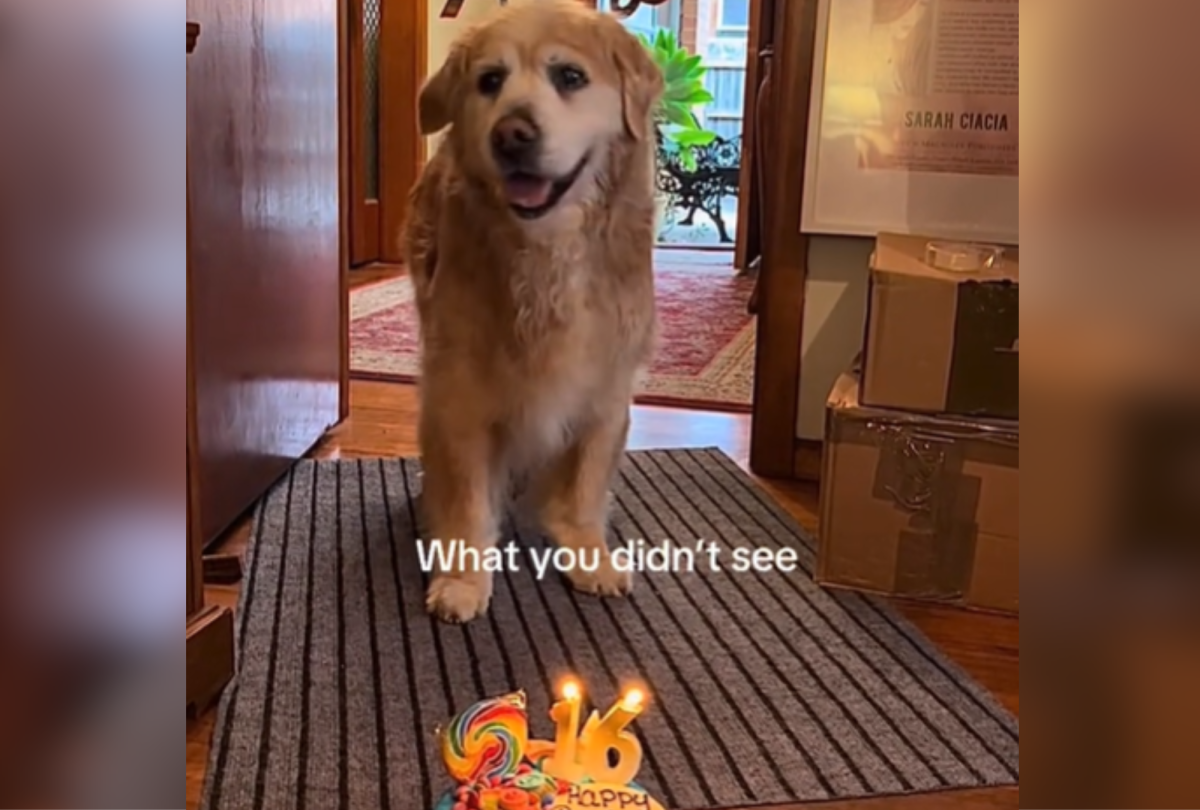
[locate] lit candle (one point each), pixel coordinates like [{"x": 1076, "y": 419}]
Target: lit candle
[
  {"x": 564, "y": 764},
  {"x": 603, "y": 736}
]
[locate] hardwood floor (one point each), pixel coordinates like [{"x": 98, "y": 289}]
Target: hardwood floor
[{"x": 383, "y": 423}]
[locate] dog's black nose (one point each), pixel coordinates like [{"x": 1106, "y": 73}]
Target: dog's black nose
[{"x": 515, "y": 139}]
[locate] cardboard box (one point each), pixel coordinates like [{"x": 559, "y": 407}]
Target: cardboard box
[
  {"x": 940, "y": 341},
  {"x": 923, "y": 507}
]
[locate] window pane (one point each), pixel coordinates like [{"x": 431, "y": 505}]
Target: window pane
[
  {"x": 735, "y": 13},
  {"x": 371, "y": 20}
]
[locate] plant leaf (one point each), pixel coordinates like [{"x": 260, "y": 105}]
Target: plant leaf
[
  {"x": 697, "y": 97},
  {"x": 695, "y": 137},
  {"x": 683, "y": 74},
  {"x": 677, "y": 68},
  {"x": 681, "y": 116},
  {"x": 675, "y": 105},
  {"x": 680, "y": 92}
]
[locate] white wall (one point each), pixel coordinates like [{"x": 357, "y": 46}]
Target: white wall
[{"x": 835, "y": 312}]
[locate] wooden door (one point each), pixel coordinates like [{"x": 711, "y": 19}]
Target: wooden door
[
  {"x": 387, "y": 56},
  {"x": 195, "y": 564},
  {"x": 265, "y": 272},
  {"x": 209, "y": 656},
  {"x": 748, "y": 247},
  {"x": 195, "y": 567},
  {"x": 775, "y": 451}
]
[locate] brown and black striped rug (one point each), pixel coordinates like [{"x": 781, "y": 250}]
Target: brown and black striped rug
[{"x": 766, "y": 689}]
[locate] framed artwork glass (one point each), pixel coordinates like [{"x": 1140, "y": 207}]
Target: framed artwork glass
[{"x": 914, "y": 120}]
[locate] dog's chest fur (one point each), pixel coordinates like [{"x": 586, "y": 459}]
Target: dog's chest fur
[
  {"x": 534, "y": 333},
  {"x": 564, "y": 342},
  {"x": 567, "y": 308}
]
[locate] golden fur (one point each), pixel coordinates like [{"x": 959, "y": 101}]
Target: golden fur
[{"x": 533, "y": 331}]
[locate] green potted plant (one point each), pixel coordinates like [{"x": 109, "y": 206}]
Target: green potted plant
[{"x": 679, "y": 130}]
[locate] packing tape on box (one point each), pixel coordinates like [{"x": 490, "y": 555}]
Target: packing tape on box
[
  {"x": 924, "y": 476},
  {"x": 962, "y": 257},
  {"x": 946, "y": 428},
  {"x": 921, "y": 472}
]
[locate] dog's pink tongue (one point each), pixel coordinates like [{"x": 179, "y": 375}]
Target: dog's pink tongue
[{"x": 527, "y": 191}]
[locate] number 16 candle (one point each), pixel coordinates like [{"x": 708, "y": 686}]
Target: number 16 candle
[
  {"x": 603, "y": 736},
  {"x": 564, "y": 764}
]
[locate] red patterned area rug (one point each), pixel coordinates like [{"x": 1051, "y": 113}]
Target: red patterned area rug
[{"x": 705, "y": 357}]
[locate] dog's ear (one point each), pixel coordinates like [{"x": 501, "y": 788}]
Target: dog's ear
[
  {"x": 440, "y": 95},
  {"x": 642, "y": 83}
]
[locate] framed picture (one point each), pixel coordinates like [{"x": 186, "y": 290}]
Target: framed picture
[{"x": 914, "y": 119}]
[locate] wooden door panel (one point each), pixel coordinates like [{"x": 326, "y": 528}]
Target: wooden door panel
[
  {"x": 363, "y": 37},
  {"x": 195, "y": 582},
  {"x": 263, "y": 152},
  {"x": 749, "y": 241},
  {"x": 195, "y": 566},
  {"x": 403, "y": 58},
  {"x": 386, "y": 52},
  {"x": 784, "y": 270}
]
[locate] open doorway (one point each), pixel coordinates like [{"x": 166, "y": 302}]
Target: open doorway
[
  {"x": 706, "y": 354},
  {"x": 702, "y": 46}
]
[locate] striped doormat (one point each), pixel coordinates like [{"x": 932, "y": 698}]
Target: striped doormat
[{"x": 765, "y": 688}]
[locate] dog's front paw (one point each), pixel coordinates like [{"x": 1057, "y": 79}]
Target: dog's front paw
[
  {"x": 606, "y": 580},
  {"x": 459, "y": 599}
]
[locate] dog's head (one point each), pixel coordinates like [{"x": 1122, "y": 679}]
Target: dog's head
[{"x": 537, "y": 97}]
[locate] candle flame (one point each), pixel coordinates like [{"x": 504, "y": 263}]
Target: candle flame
[
  {"x": 571, "y": 690},
  {"x": 633, "y": 699}
]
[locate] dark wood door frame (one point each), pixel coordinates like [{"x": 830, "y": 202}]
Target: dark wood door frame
[
  {"x": 774, "y": 449},
  {"x": 376, "y": 222},
  {"x": 779, "y": 76},
  {"x": 346, "y": 210},
  {"x": 748, "y": 244},
  {"x": 209, "y": 628}
]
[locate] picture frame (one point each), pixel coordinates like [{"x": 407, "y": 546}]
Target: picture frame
[{"x": 971, "y": 191}]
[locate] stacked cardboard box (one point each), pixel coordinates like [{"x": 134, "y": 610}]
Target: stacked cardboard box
[{"x": 921, "y": 471}]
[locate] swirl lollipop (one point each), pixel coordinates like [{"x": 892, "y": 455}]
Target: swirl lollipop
[{"x": 487, "y": 741}]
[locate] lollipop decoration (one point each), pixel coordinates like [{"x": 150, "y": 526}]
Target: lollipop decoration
[
  {"x": 488, "y": 753},
  {"x": 486, "y": 743}
]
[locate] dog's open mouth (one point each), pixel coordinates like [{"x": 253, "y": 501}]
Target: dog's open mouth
[{"x": 531, "y": 196}]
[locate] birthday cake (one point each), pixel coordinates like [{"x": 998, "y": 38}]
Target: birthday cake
[{"x": 495, "y": 766}]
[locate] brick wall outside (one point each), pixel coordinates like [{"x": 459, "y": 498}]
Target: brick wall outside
[{"x": 689, "y": 14}]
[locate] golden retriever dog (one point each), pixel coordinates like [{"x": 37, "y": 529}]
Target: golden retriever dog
[{"x": 530, "y": 244}]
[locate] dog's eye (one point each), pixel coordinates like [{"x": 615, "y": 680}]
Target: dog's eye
[
  {"x": 490, "y": 81},
  {"x": 568, "y": 78}
]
